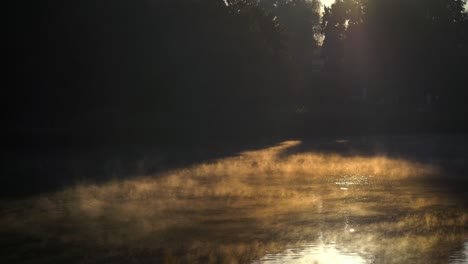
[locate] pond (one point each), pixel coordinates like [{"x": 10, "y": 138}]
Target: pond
[{"x": 262, "y": 206}]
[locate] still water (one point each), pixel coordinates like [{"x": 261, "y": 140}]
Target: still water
[{"x": 262, "y": 206}]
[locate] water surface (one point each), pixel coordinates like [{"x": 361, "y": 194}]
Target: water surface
[{"x": 262, "y": 206}]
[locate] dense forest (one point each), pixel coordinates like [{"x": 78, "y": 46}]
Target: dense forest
[{"x": 106, "y": 71}]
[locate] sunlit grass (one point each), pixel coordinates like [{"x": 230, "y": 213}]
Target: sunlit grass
[{"x": 236, "y": 209}]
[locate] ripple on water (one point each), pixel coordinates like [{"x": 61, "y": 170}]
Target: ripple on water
[
  {"x": 315, "y": 253},
  {"x": 462, "y": 256}
]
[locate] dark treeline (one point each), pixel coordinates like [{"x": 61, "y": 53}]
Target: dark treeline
[
  {"x": 157, "y": 71},
  {"x": 404, "y": 63}
]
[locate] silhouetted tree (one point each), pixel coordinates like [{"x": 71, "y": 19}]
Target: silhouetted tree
[
  {"x": 407, "y": 47},
  {"x": 126, "y": 68}
]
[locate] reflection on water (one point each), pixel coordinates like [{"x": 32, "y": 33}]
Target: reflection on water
[
  {"x": 462, "y": 256},
  {"x": 261, "y": 207},
  {"x": 314, "y": 253}
]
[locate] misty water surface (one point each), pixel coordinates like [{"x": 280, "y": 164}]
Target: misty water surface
[{"x": 263, "y": 206}]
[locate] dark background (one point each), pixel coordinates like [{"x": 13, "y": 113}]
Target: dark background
[{"x": 94, "y": 74}]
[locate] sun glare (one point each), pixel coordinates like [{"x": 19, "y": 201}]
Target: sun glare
[{"x": 327, "y": 2}]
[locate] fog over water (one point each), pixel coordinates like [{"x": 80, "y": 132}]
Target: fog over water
[
  {"x": 261, "y": 206},
  {"x": 235, "y": 131}
]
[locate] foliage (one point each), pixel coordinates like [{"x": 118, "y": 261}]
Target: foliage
[
  {"x": 399, "y": 49},
  {"x": 118, "y": 68}
]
